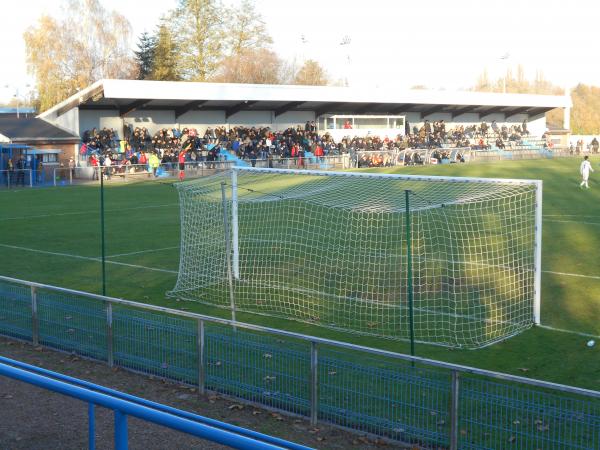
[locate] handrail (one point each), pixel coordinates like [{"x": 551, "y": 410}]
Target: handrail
[
  {"x": 150, "y": 414},
  {"x": 150, "y": 404},
  {"x": 319, "y": 340}
]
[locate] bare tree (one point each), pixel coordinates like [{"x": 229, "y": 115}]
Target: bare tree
[
  {"x": 197, "y": 25},
  {"x": 86, "y": 44},
  {"x": 257, "y": 66},
  {"x": 311, "y": 73},
  {"x": 246, "y": 29}
]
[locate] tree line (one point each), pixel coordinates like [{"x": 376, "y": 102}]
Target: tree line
[
  {"x": 205, "y": 40},
  {"x": 198, "y": 40}
]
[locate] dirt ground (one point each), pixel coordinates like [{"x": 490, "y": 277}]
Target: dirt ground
[{"x": 33, "y": 418}]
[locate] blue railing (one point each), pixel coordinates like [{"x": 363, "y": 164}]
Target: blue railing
[
  {"x": 125, "y": 405},
  {"x": 390, "y": 395}
]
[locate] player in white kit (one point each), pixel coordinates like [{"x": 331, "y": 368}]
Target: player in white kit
[{"x": 584, "y": 170}]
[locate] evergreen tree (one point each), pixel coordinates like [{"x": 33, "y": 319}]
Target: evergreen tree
[
  {"x": 164, "y": 67},
  {"x": 144, "y": 56}
]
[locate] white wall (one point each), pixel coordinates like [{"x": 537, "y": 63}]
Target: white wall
[
  {"x": 201, "y": 120},
  {"x": 291, "y": 119},
  {"x": 152, "y": 120},
  {"x": 108, "y": 118},
  {"x": 68, "y": 121},
  {"x": 251, "y": 118}
]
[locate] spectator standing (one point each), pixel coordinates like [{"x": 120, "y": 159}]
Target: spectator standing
[
  {"x": 181, "y": 159},
  {"x": 72, "y": 167},
  {"x": 94, "y": 164},
  {"x": 107, "y": 166},
  {"x": 21, "y": 166},
  {"x": 10, "y": 175},
  {"x": 153, "y": 162}
]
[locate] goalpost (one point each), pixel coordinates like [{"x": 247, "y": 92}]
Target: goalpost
[{"x": 366, "y": 252}]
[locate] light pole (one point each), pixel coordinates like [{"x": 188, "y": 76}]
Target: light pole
[
  {"x": 346, "y": 41},
  {"x": 16, "y": 95},
  {"x": 505, "y": 59}
]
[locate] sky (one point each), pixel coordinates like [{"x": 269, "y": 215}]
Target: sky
[{"x": 439, "y": 44}]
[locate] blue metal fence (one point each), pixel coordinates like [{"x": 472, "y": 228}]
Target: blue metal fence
[
  {"x": 125, "y": 405},
  {"x": 395, "y": 396}
]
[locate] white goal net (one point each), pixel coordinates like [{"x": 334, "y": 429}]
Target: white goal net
[{"x": 332, "y": 249}]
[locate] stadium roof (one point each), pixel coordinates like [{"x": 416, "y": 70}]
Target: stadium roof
[
  {"x": 127, "y": 96},
  {"x": 33, "y": 131}
]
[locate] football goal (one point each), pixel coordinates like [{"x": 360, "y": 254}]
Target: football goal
[{"x": 454, "y": 261}]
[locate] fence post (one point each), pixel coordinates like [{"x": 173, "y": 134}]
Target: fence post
[
  {"x": 91, "y": 427},
  {"x": 109, "y": 335},
  {"x": 30, "y": 178},
  {"x": 54, "y": 176},
  {"x": 120, "y": 430},
  {"x": 35, "y": 327},
  {"x": 314, "y": 383},
  {"x": 201, "y": 366},
  {"x": 454, "y": 404}
]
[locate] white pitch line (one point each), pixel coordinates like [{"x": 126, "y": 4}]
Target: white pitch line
[
  {"x": 561, "y": 330},
  {"x": 571, "y": 221},
  {"x": 143, "y": 251},
  {"x": 593, "y": 277},
  {"x": 75, "y": 213},
  {"x": 87, "y": 258}
]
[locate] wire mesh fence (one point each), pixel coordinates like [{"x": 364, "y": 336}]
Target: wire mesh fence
[{"x": 406, "y": 399}]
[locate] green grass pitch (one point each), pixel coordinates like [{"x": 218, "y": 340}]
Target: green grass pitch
[{"x": 53, "y": 236}]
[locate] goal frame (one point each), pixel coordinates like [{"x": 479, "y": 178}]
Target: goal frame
[{"x": 536, "y": 313}]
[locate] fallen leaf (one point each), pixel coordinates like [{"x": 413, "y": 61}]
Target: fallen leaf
[
  {"x": 267, "y": 355},
  {"x": 256, "y": 413},
  {"x": 236, "y": 406},
  {"x": 523, "y": 369}
]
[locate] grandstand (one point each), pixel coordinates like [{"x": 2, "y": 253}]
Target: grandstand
[{"x": 156, "y": 105}]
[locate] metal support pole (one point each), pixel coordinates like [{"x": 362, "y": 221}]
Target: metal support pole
[
  {"x": 54, "y": 177},
  {"x": 201, "y": 366},
  {"x": 91, "y": 427},
  {"x": 409, "y": 274},
  {"x": 70, "y": 176},
  {"x": 454, "y": 403},
  {"x": 30, "y": 178},
  {"x": 110, "y": 351},
  {"x": 228, "y": 251},
  {"x": 35, "y": 324},
  {"x": 314, "y": 383},
  {"x": 102, "y": 231},
  {"x": 538, "y": 255},
  {"x": 120, "y": 430},
  {"x": 234, "y": 225}
]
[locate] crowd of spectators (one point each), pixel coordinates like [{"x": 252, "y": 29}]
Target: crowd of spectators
[{"x": 171, "y": 145}]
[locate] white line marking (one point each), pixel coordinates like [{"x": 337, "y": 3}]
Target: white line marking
[
  {"x": 143, "y": 251},
  {"x": 569, "y": 215},
  {"x": 75, "y": 213},
  {"x": 561, "y": 330},
  {"x": 87, "y": 258},
  {"x": 571, "y": 221},
  {"x": 593, "y": 277}
]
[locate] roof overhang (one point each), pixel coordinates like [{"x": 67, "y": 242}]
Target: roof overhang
[{"x": 128, "y": 96}]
